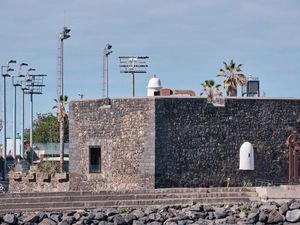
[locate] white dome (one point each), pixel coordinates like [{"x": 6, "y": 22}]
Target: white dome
[
  {"x": 154, "y": 82},
  {"x": 154, "y": 86}
]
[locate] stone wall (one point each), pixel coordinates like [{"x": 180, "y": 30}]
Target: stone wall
[
  {"x": 161, "y": 142},
  {"x": 124, "y": 129},
  {"x": 37, "y": 182},
  {"x": 198, "y": 145}
]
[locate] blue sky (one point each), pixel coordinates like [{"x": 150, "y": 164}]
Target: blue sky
[{"x": 186, "y": 42}]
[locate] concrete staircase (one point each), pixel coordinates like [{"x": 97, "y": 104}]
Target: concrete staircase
[{"x": 59, "y": 201}]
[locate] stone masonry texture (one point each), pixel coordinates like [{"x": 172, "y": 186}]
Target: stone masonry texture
[
  {"x": 164, "y": 142},
  {"x": 125, "y": 131}
]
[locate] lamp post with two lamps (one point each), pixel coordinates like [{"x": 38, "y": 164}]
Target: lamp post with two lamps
[{"x": 4, "y": 75}]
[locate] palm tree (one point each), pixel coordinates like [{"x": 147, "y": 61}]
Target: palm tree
[
  {"x": 233, "y": 77},
  {"x": 208, "y": 89},
  {"x": 61, "y": 116}
]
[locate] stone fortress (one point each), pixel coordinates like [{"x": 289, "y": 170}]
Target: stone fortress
[{"x": 170, "y": 141}]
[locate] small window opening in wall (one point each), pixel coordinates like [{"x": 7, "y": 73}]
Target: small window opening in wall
[
  {"x": 95, "y": 159},
  {"x": 156, "y": 93}
]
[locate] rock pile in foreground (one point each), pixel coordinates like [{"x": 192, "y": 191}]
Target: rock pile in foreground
[{"x": 250, "y": 213}]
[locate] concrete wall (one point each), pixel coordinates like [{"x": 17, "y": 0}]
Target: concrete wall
[
  {"x": 166, "y": 142},
  {"x": 125, "y": 131}
]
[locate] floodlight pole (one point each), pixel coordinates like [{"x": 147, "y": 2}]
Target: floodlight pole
[
  {"x": 4, "y": 75},
  {"x": 132, "y": 85},
  {"x": 106, "y": 53},
  {"x": 63, "y": 35},
  {"x": 23, "y": 88},
  {"x": 35, "y": 87},
  {"x": 15, "y": 84},
  {"x": 132, "y": 64},
  {"x": 31, "y": 128}
]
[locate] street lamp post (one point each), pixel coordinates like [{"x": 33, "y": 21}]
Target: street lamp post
[
  {"x": 16, "y": 82},
  {"x": 106, "y": 52},
  {"x": 23, "y": 88},
  {"x": 4, "y": 75}
]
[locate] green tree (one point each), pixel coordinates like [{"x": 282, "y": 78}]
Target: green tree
[
  {"x": 62, "y": 116},
  {"x": 210, "y": 89},
  {"x": 46, "y": 129},
  {"x": 233, "y": 77}
]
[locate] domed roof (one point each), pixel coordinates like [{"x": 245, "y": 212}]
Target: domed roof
[{"x": 154, "y": 82}]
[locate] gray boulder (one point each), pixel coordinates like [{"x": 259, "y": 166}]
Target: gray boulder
[
  {"x": 253, "y": 217},
  {"x": 29, "y": 218},
  {"x": 208, "y": 208},
  {"x": 150, "y": 210},
  {"x": 144, "y": 219},
  {"x": 267, "y": 208},
  {"x": 293, "y": 215},
  {"x": 211, "y": 216},
  {"x": 111, "y": 212},
  {"x": 10, "y": 218},
  {"x": 262, "y": 217},
  {"x": 47, "y": 221},
  {"x": 195, "y": 215},
  {"x": 231, "y": 220},
  {"x": 67, "y": 220},
  {"x": 275, "y": 217},
  {"x": 103, "y": 222},
  {"x": 136, "y": 222},
  {"x": 139, "y": 213},
  {"x": 283, "y": 208},
  {"x": 155, "y": 217},
  {"x": 82, "y": 212},
  {"x": 295, "y": 205},
  {"x": 196, "y": 208},
  {"x": 128, "y": 217},
  {"x": 56, "y": 217},
  {"x": 220, "y": 213},
  {"x": 100, "y": 216},
  {"x": 155, "y": 223},
  {"x": 119, "y": 220},
  {"x": 76, "y": 216}
]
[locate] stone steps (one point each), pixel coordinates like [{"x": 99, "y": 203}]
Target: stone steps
[{"x": 17, "y": 202}]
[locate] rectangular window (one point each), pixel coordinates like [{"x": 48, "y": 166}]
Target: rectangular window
[{"x": 95, "y": 159}]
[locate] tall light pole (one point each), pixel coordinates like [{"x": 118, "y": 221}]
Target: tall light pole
[
  {"x": 35, "y": 86},
  {"x": 4, "y": 75},
  {"x": 106, "y": 52},
  {"x": 132, "y": 64},
  {"x": 16, "y": 82},
  {"x": 62, "y": 35},
  {"x": 23, "y": 88}
]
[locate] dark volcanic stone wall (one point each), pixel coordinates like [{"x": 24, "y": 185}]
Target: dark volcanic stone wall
[
  {"x": 124, "y": 129},
  {"x": 163, "y": 142},
  {"x": 197, "y": 145}
]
